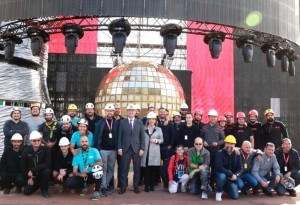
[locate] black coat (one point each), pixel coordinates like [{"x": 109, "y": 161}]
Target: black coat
[
  {"x": 35, "y": 161},
  {"x": 293, "y": 163},
  {"x": 11, "y": 160}
]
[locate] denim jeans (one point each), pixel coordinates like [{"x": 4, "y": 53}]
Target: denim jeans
[
  {"x": 199, "y": 182},
  {"x": 272, "y": 185},
  {"x": 230, "y": 187},
  {"x": 246, "y": 182}
]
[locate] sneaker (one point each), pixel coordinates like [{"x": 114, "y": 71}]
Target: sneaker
[
  {"x": 60, "y": 188},
  {"x": 6, "y": 191},
  {"x": 292, "y": 192},
  {"x": 219, "y": 196},
  {"x": 73, "y": 191},
  {"x": 109, "y": 190},
  {"x": 183, "y": 190},
  {"x": 18, "y": 190},
  {"x": 83, "y": 192},
  {"x": 103, "y": 192},
  {"x": 268, "y": 193},
  {"x": 204, "y": 195},
  {"x": 45, "y": 194},
  {"x": 256, "y": 193},
  {"x": 96, "y": 196},
  {"x": 51, "y": 184},
  {"x": 244, "y": 193}
]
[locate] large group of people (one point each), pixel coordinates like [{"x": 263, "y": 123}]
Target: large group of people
[{"x": 180, "y": 151}]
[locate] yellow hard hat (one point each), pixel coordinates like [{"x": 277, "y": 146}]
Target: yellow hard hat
[
  {"x": 72, "y": 107},
  {"x": 35, "y": 105},
  {"x": 269, "y": 111},
  {"x": 230, "y": 139}
]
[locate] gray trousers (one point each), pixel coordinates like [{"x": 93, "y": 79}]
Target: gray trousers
[
  {"x": 199, "y": 182},
  {"x": 109, "y": 159},
  {"x": 125, "y": 161}
]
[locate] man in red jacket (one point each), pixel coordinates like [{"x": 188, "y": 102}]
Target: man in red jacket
[{"x": 177, "y": 171}]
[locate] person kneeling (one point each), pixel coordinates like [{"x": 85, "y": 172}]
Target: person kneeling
[
  {"x": 86, "y": 169},
  {"x": 63, "y": 164},
  {"x": 177, "y": 171}
]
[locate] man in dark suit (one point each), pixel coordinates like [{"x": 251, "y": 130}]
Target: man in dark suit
[{"x": 131, "y": 145}]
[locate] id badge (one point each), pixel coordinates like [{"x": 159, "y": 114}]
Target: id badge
[
  {"x": 110, "y": 135},
  {"x": 245, "y": 166},
  {"x": 185, "y": 137},
  {"x": 285, "y": 168},
  {"x": 270, "y": 173}
]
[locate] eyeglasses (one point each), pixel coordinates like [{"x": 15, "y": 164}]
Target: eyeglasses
[
  {"x": 198, "y": 144},
  {"x": 35, "y": 140}
]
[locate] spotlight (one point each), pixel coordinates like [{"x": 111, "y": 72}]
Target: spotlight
[
  {"x": 9, "y": 45},
  {"x": 214, "y": 40},
  {"x": 170, "y": 32},
  {"x": 283, "y": 55},
  {"x": 246, "y": 43},
  {"x": 72, "y": 33},
  {"x": 38, "y": 37},
  {"x": 120, "y": 30},
  {"x": 269, "y": 48},
  {"x": 291, "y": 69}
]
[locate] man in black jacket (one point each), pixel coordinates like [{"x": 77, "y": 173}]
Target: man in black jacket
[
  {"x": 13, "y": 126},
  {"x": 288, "y": 160},
  {"x": 63, "y": 164},
  {"x": 35, "y": 164},
  {"x": 10, "y": 168},
  {"x": 168, "y": 131},
  {"x": 228, "y": 168},
  {"x": 91, "y": 116}
]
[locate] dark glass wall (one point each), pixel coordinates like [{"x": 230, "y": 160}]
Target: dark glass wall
[{"x": 255, "y": 84}]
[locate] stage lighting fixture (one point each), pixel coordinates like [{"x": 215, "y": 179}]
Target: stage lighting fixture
[
  {"x": 9, "y": 45},
  {"x": 291, "y": 69},
  {"x": 269, "y": 48},
  {"x": 72, "y": 33},
  {"x": 283, "y": 56},
  {"x": 214, "y": 40},
  {"x": 170, "y": 32},
  {"x": 246, "y": 43},
  {"x": 120, "y": 30},
  {"x": 38, "y": 37}
]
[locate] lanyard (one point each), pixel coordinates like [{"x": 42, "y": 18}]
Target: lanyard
[
  {"x": 86, "y": 156},
  {"x": 110, "y": 128},
  {"x": 245, "y": 159},
  {"x": 286, "y": 160}
]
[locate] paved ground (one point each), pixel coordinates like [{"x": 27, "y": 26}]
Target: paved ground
[{"x": 160, "y": 197}]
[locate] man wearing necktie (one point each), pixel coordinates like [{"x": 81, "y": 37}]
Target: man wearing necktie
[{"x": 131, "y": 145}]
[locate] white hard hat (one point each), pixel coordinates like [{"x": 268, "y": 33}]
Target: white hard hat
[
  {"x": 66, "y": 118},
  {"x": 131, "y": 107},
  {"x": 82, "y": 121},
  {"x": 137, "y": 107},
  {"x": 176, "y": 114},
  {"x": 151, "y": 115},
  {"x": 89, "y": 105},
  {"x": 35, "y": 135},
  {"x": 289, "y": 183},
  {"x": 109, "y": 107},
  {"x": 16, "y": 136},
  {"x": 212, "y": 113},
  {"x": 49, "y": 111},
  {"x": 184, "y": 106},
  {"x": 64, "y": 141},
  {"x": 97, "y": 171}
]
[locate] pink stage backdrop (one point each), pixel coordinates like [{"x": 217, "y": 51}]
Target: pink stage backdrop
[{"x": 212, "y": 79}]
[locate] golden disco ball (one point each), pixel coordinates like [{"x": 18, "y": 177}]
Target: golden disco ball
[{"x": 142, "y": 83}]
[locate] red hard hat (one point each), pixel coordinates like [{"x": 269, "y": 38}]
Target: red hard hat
[
  {"x": 200, "y": 112},
  {"x": 253, "y": 112},
  {"x": 240, "y": 115},
  {"x": 228, "y": 114},
  {"x": 221, "y": 118}
]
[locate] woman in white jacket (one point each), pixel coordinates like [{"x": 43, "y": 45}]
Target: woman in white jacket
[{"x": 151, "y": 158}]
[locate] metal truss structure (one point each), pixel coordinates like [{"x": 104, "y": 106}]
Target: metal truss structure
[{"x": 52, "y": 25}]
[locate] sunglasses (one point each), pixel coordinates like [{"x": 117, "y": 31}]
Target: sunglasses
[
  {"x": 35, "y": 140},
  {"x": 198, "y": 144}
]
